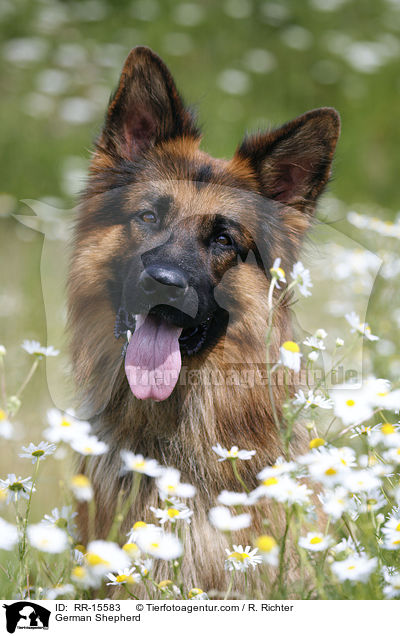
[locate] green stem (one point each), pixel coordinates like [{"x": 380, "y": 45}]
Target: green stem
[
  {"x": 282, "y": 554},
  {"x": 228, "y": 591},
  {"x": 28, "y": 377},
  {"x": 236, "y": 473}
]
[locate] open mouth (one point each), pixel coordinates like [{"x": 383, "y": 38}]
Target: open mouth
[
  {"x": 191, "y": 341},
  {"x": 154, "y": 348}
]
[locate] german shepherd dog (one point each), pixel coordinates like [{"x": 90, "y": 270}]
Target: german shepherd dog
[{"x": 175, "y": 247}]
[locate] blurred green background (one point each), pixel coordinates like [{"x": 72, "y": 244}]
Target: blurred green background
[{"x": 244, "y": 63}]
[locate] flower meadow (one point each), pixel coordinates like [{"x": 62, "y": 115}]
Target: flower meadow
[{"x": 349, "y": 477}]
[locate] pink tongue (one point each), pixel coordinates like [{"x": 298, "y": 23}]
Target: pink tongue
[{"x": 153, "y": 358}]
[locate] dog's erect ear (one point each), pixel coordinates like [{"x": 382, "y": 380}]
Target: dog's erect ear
[
  {"x": 293, "y": 163},
  {"x": 146, "y": 107}
]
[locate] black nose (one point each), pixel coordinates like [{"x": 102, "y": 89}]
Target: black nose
[{"x": 165, "y": 282}]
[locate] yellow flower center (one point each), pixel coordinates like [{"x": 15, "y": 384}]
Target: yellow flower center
[
  {"x": 80, "y": 481},
  {"x": 139, "y": 524},
  {"x": 271, "y": 481},
  {"x": 195, "y": 591},
  {"x": 233, "y": 453},
  {"x": 265, "y": 543},
  {"x": 130, "y": 548},
  {"x": 398, "y": 527},
  {"x": 124, "y": 578},
  {"x": 388, "y": 429},
  {"x": 65, "y": 422},
  {"x": 330, "y": 471},
  {"x": 3, "y": 415},
  {"x": 155, "y": 545},
  {"x": 78, "y": 572},
  {"x": 139, "y": 465},
  {"x": 351, "y": 567},
  {"x": 165, "y": 583},
  {"x": 94, "y": 559},
  {"x": 88, "y": 449},
  {"x": 350, "y": 403},
  {"x": 315, "y": 540},
  {"x": 239, "y": 556},
  {"x": 289, "y": 345},
  {"x": 317, "y": 441},
  {"x": 396, "y": 542},
  {"x": 171, "y": 487},
  {"x": 80, "y": 548},
  {"x": 172, "y": 512}
]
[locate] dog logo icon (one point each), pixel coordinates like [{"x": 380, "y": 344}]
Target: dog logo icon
[{"x": 26, "y": 615}]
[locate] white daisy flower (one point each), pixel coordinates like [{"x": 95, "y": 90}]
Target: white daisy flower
[
  {"x": 82, "y": 577},
  {"x": 17, "y": 488},
  {"x": 315, "y": 542},
  {"x": 279, "y": 468},
  {"x": 103, "y": 557},
  {"x": 391, "y": 532},
  {"x": 360, "y": 327},
  {"x": 137, "y": 528},
  {"x": 277, "y": 272},
  {"x": 284, "y": 489},
  {"x": 33, "y": 347},
  {"x": 350, "y": 405},
  {"x": 159, "y": 544},
  {"x": 339, "y": 342},
  {"x": 386, "y": 434},
  {"x": 222, "y": 519},
  {"x": 8, "y": 535},
  {"x": 63, "y": 518},
  {"x": 312, "y": 401},
  {"x": 174, "y": 513},
  {"x": 361, "y": 481},
  {"x": 81, "y": 488},
  {"x": 336, "y": 502},
  {"x": 197, "y": 594},
  {"x": 42, "y": 450},
  {"x": 314, "y": 343},
  {"x": 392, "y": 455},
  {"x": 313, "y": 356},
  {"x": 89, "y": 445},
  {"x": 53, "y": 593},
  {"x": 241, "y": 559},
  {"x": 47, "y": 538},
  {"x": 233, "y": 453},
  {"x": 369, "y": 500},
  {"x": 139, "y": 464},
  {"x": 354, "y": 568},
  {"x": 127, "y": 576},
  {"x": 229, "y": 498},
  {"x": 290, "y": 355},
  {"x": 6, "y": 427},
  {"x": 329, "y": 466},
  {"x": 378, "y": 392},
  {"x": 268, "y": 548},
  {"x": 169, "y": 485},
  {"x": 64, "y": 427},
  {"x": 302, "y": 277},
  {"x": 392, "y": 580}
]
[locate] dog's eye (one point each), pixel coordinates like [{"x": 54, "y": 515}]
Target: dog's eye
[
  {"x": 223, "y": 239},
  {"x": 148, "y": 217}
]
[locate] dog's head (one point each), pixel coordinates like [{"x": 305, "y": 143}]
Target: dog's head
[{"x": 163, "y": 223}]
